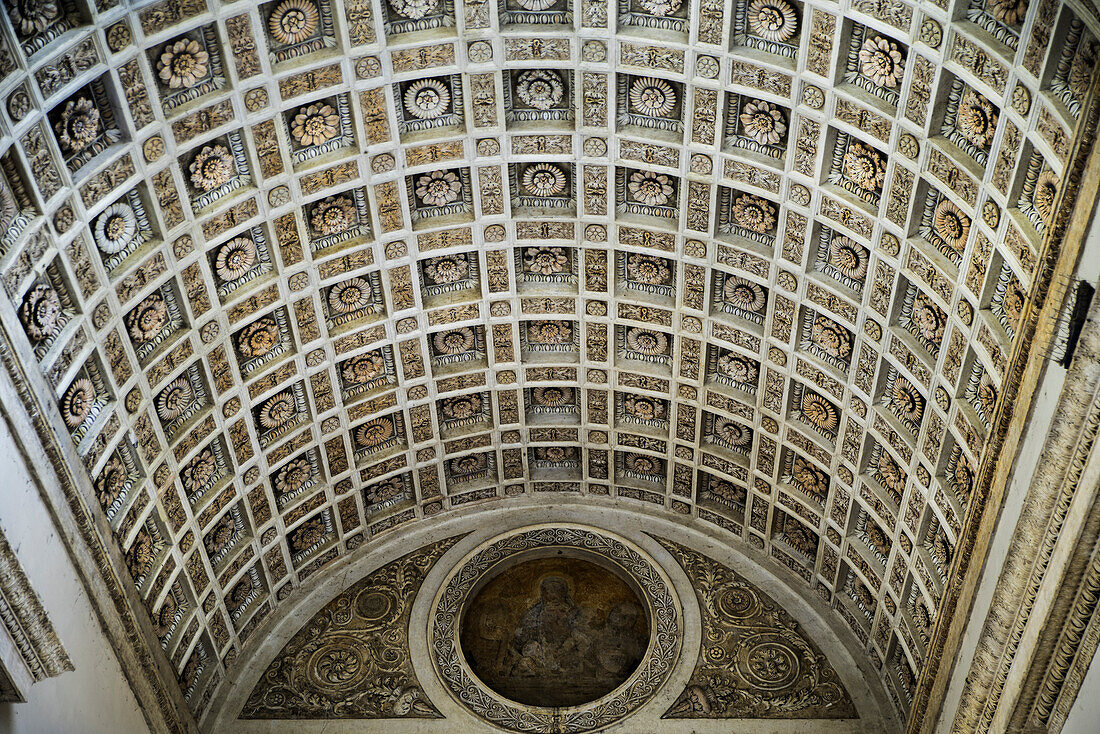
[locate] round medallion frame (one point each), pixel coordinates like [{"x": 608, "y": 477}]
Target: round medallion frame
[{"x": 662, "y": 607}]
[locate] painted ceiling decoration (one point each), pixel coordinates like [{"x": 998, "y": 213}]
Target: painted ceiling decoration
[{"x": 296, "y": 277}]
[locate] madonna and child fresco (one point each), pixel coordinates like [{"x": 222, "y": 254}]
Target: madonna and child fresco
[{"x": 554, "y": 632}]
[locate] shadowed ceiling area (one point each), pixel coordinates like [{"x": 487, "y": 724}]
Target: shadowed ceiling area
[{"x": 296, "y": 277}]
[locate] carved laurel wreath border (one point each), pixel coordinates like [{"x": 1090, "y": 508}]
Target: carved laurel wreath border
[{"x": 647, "y": 679}]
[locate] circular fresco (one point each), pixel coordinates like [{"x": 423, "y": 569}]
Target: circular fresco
[
  {"x": 555, "y": 629},
  {"x": 558, "y": 631}
]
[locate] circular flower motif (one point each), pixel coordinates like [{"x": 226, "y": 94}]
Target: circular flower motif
[
  {"x": 77, "y": 402},
  {"x": 737, "y": 368},
  {"x": 545, "y": 260},
  {"x": 951, "y": 224},
  {"x": 864, "y": 166},
  {"x": 277, "y": 410},
  {"x": 928, "y": 319},
  {"x": 385, "y": 490},
  {"x": 643, "y": 408},
  {"x": 438, "y": 188},
  {"x": 174, "y": 400},
  {"x": 78, "y": 126},
  {"x": 293, "y": 21},
  {"x": 544, "y": 179},
  {"x": 540, "y": 89},
  {"x": 987, "y": 394},
  {"x": 549, "y": 332},
  {"x": 555, "y": 454},
  {"x": 294, "y": 476},
  {"x": 447, "y": 269},
  {"x": 455, "y": 341},
  {"x": 553, "y": 397},
  {"x": 462, "y": 407},
  {"x": 661, "y": 7},
  {"x": 111, "y": 482},
  {"x": 977, "y": 119},
  {"x": 772, "y": 20},
  {"x": 880, "y": 61},
  {"x": 733, "y": 433},
  {"x": 114, "y": 228},
  {"x": 848, "y": 258},
  {"x": 653, "y": 97},
  {"x": 41, "y": 312},
  {"x": 744, "y": 294},
  {"x": 1046, "y": 189},
  {"x": 831, "y": 338},
  {"x": 315, "y": 124},
  {"x": 909, "y": 403},
  {"x": 212, "y": 167},
  {"x": 1014, "y": 301},
  {"x": 148, "y": 318},
  {"x": 333, "y": 215},
  {"x": 642, "y": 464},
  {"x": 1009, "y": 12},
  {"x": 821, "y": 414},
  {"x": 182, "y": 64},
  {"x": 413, "y": 9},
  {"x": 235, "y": 258},
  {"x": 374, "y": 433},
  {"x": 889, "y": 474},
  {"x": 652, "y": 189},
  {"x": 140, "y": 557},
  {"x": 199, "y": 471},
  {"x": 349, "y": 296},
  {"x": 535, "y": 5},
  {"x": 469, "y": 464},
  {"x": 808, "y": 478},
  {"x": 648, "y": 269},
  {"x": 364, "y": 368},
  {"x": 308, "y": 534},
  {"x": 763, "y": 122},
  {"x": 33, "y": 16},
  {"x": 259, "y": 337},
  {"x": 753, "y": 213},
  {"x": 645, "y": 341},
  {"x": 427, "y": 99},
  {"x": 963, "y": 476}
]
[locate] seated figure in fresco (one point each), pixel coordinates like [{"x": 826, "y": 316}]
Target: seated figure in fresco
[
  {"x": 553, "y": 636},
  {"x": 617, "y": 648}
]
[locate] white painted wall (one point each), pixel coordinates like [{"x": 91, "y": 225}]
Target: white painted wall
[{"x": 94, "y": 698}]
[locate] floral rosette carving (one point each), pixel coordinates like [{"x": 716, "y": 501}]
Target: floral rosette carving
[
  {"x": 315, "y": 124},
  {"x": 294, "y": 476},
  {"x": 773, "y": 20},
  {"x": 413, "y": 9},
  {"x": 140, "y": 557},
  {"x": 278, "y": 410},
  {"x": 334, "y": 215},
  {"x": 821, "y": 414},
  {"x": 890, "y": 475},
  {"x": 880, "y": 60},
  {"x": 986, "y": 395},
  {"x": 212, "y": 167},
  {"x": 293, "y": 21},
  {"x": 907, "y": 401},
  {"x": 235, "y": 259},
  {"x": 438, "y": 188},
  {"x": 553, "y": 397},
  {"x": 661, "y": 8},
  {"x": 447, "y": 269},
  {"x": 1009, "y": 12},
  {"x": 977, "y": 119},
  {"x": 540, "y": 89},
  {"x": 461, "y": 408},
  {"x": 349, "y": 296},
  {"x": 182, "y": 64},
  {"x": 384, "y": 491},
  {"x": 951, "y": 224},
  {"x": 148, "y": 318},
  {"x": 644, "y": 409},
  {"x": 864, "y": 166},
  {"x": 455, "y": 341},
  {"x": 174, "y": 400},
  {"x": 199, "y": 472},
  {"x": 259, "y": 337},
  {"x": 831, "y": 338},
  {"x": 427, "y": 99},
  {"x": 40, "y": 312},
  {"x": 649, "y": 188},
  {"x": 308, "y": 534},
  {"x": 753, "y": 213},
  {"x": 544, "y": 179},
  {"x": 363, "y": 369},
  {"x": 77, "y": 402},
  {"x": 646, "y": 341},
  {"x": 652, "y": 97},
  {"x": 737, "y": 368},
  {"x": 111, "y": 482},
  {"x": 33, "y": 16},
  {"x": 1046, "y": 191},
  {"x": 648, "y": 269},
  {"x": 115, "y": 228},
  {"x": 928, "y": 319},
  {"x": 78, "y": 125},
  {"x": 732, "y": 434},
  {"x": 809, "y": 479},
  {"x": 744, "y": 294},
  {"x": 849, "y": 258},
  {"x": 963, "y": 477},
  {"x": 764, "y": 122},
  {"x": 545, "y": 260},
  {"x": 549, "y": 332},
  {"x": 642, "y": 464}
]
